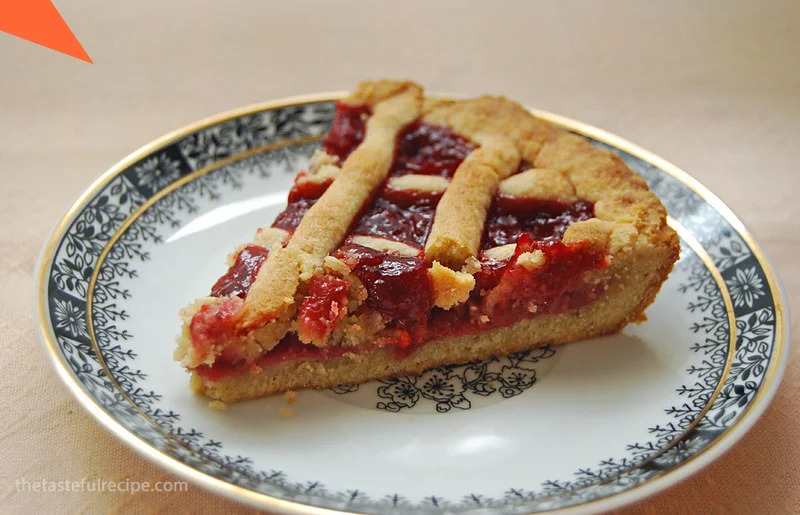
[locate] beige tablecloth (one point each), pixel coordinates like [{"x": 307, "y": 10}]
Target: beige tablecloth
[{"x": 713, "y": 86}]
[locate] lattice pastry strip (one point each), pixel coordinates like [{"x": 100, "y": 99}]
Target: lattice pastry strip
[{"x": 460, "y": 216}]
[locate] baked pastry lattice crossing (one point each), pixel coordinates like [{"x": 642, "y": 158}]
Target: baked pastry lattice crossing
[{"x": 429, "y": 232}]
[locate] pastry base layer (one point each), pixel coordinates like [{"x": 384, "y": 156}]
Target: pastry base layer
[{"x": 636, "y": 280}]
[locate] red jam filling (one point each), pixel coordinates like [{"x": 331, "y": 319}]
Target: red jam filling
[
  {"x": 398, "y": 286},
  {"x": 213, "y": 323},
  {"x": 543, "y": 220},
  {"x": 506, "y": 292},
  {"x": 555, "y": 287},
  {"x": 322, "y": 308},
  {"x": 241, "y": 275},
  {"x": 409, "y": 198},
  {"x": 347, "y": 130},
  {"x": 290, "y": 218},
  {"x": 428, "y": 149},
  {"x": 307, "y": 189},
  {"x": 290, "y": 348},
  {"x": 410, "y": 224}
]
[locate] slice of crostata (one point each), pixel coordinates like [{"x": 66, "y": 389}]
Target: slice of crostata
[{"x": 429, "y": 232}]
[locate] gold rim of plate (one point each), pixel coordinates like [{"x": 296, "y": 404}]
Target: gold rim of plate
[{"x": 714, "y": 449}]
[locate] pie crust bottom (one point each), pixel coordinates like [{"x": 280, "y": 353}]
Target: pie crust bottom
[{"x": 637, "y": 278}]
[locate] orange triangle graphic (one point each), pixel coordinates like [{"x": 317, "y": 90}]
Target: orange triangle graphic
[{"x": 38, "y": 21}]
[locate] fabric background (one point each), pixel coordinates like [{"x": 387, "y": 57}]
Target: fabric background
[{"x": 713, "y": 86}]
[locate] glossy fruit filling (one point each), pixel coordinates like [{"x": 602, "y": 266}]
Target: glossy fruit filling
[
  {"x": 543, "y": 220},
  {"x": 408, "y": 224},
  {"x": 324, "y": 305},
  {"x": 289, "y": 349},
  {"x": 241, "y": 275},
  {"x": 399, "y": 287},
  {"x": 507, "y": 291},
  {"x": 290, "y": 217},
  {"x": 347, "y": 131},
  {"x": 427, "y": 149}
]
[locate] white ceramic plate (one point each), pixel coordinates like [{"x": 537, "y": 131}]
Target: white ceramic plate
[{"x": 583, "y": 427}]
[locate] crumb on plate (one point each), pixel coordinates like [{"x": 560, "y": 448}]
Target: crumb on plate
[{"x": 218, "y": 405}]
